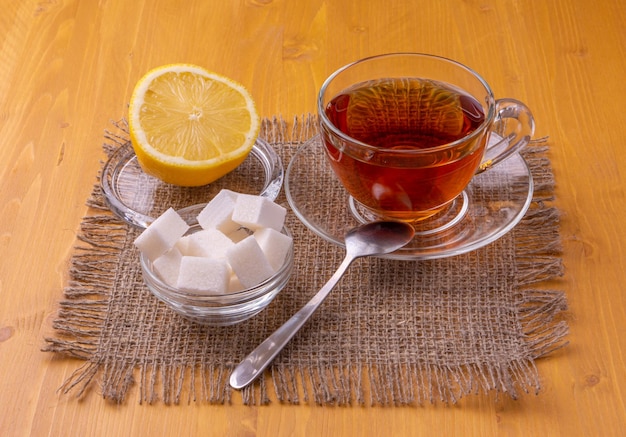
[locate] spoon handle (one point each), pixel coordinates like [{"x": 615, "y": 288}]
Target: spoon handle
[{"x": 254, "y": 364}]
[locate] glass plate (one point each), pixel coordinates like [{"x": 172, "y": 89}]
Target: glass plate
[
  {"x": 493, "y": 203},
  {"x": 138, "y": 198}
]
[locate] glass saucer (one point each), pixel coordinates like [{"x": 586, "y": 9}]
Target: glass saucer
[
  {"x": 138, "y": 198},
  {"x": 493, "y": 203}
]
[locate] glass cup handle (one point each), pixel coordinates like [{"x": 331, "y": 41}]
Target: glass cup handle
[{"x": 512, "y": 130}]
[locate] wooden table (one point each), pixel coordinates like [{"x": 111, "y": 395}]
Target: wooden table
[{"x": 69, "y": 67}]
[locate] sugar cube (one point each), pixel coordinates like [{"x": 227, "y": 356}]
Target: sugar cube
[
  {"x": 256, "y": 212},
  {"x": 168, "y": 265},
  {"x": 203, "y": 275},
  {"x": 217, "y": 214},
  {"x": 249, "y": 262},
  {"x": 274, "y": 244},
  {"x": 161, "y": 235},
  {"x": 208, "y": 242},
  {"x": 183, "y": 244}
]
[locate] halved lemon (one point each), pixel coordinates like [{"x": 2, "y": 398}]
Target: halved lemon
[{"x": 189, "y": 126}]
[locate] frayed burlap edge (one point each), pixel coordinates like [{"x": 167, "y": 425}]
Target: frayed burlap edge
[{"x": 93, "y": 273}]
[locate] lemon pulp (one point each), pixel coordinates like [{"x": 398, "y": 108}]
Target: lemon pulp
[{"x": 189, "y": 126}]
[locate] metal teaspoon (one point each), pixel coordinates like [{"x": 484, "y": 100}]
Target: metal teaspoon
[{"x": 376, "y": 238}]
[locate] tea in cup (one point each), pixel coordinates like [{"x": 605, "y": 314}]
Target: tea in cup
[{"x": 405, "y": 133}]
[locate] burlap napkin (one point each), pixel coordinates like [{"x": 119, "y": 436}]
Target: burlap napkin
[{"x": 391, "y": 333}]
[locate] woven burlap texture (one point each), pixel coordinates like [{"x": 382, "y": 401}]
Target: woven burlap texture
[{"x": 391, "y": 333}]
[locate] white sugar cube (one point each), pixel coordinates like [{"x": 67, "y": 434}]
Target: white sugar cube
[
  {"x": 274, "y": 244},
  {"x": 161, "y": 235},
  {"x": 256, "y": 212},
  {"x": 217, "y": 214},
  {"x": 168, "y": 265},
  {"x": 248, "y": 262},
  {"x": 210, "y": 243},
  {"x": 183, "y": 245},
  {"x": 203, "y": 275}
]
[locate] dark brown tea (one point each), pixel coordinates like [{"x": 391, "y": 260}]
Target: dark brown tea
[{"x": 406, "y": 174}]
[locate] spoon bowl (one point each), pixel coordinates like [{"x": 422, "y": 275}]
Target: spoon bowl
[
  {"x": 377, "y": 238},
  {"x": 371, "y": 239}
]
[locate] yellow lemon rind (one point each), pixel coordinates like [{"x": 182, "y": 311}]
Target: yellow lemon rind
[{"x": 188, "y": 176}]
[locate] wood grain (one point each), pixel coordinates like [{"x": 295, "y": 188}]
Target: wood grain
[{"x": 68, "y": 68}]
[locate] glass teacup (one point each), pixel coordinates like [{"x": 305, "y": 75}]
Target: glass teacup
[{"x": 405, "y": 133}]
